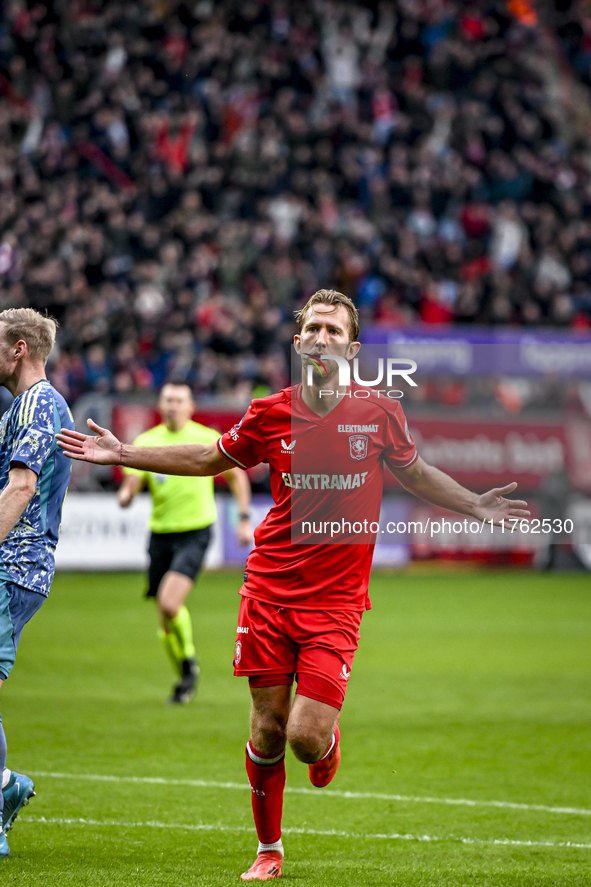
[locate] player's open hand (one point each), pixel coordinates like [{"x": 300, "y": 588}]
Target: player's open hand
[
  {"x": 104, "y": 449},
  {"x": 493, "y": 506}
]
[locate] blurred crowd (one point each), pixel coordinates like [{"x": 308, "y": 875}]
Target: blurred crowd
[{"x": 177, "y": 178}]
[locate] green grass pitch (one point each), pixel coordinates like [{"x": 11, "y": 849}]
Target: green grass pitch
[{"x": 465, "y": 741}]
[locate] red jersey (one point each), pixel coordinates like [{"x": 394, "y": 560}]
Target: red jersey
[{"x": 314, "y": 549}]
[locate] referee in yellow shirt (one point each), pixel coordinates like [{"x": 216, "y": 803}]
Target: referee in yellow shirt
[{"x": 183, "y": 510}]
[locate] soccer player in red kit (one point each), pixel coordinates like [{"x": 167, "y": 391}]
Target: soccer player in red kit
[{"x": 306, "y": 582}]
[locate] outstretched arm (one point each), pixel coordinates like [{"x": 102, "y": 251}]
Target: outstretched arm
[
  {"x": 105, "y": 449},
  {"x": 435, "y": 486}
]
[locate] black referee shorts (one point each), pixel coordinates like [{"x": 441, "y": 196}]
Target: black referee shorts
[{"x": 180, "y": 552}]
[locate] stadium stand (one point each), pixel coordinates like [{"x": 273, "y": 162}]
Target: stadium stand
[{"x": 176, "y": 178}]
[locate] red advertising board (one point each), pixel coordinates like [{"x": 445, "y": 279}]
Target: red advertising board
[
  {"x": 478, "y": 453},
  {"x": 131, "y": 419},
  {"x": 482, "y": 454}
]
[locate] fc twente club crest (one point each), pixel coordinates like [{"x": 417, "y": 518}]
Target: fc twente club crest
[{"x": 358, "y": 446}]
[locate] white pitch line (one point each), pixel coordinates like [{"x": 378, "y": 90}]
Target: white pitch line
[
  {"x": 243, "y": 786},
  {"x": 330, "y": 833}
]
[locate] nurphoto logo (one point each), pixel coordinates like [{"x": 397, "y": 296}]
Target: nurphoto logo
[{"x": 388, "y": 369}]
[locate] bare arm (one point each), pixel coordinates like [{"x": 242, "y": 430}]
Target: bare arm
[
  {"x": 240, "y": 486},
  {"x": 15, "y": 496},
  {"x": 433, "y": 485},
  {"x": 129, "y": 489},
  {"x": 104, "y": 449}
]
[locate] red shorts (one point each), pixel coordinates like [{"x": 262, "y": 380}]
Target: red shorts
[{"x": 274, "y": 645}]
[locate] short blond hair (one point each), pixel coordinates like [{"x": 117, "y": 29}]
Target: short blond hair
[
  {"x": 36, "y": 329},
  {"x": 331, "y": 297}
]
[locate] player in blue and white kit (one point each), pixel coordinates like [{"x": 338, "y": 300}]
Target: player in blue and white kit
[{"x": 34, "y": 476}]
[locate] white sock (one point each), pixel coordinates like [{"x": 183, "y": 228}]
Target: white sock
[
  {"x": 266, "y": 848},
  {"x": 5, "y": 777}
]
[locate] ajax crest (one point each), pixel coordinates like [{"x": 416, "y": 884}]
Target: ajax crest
[{"x": 358, "y": 446}]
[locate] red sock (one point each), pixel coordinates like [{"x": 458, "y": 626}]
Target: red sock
[{"x": 267, "y": 781}]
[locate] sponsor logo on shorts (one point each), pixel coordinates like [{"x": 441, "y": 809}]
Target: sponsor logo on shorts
[
  {"x": 242, "y": 629},
  {"x": 346, "y": 672},
  {"x": 238, "y": 652}
]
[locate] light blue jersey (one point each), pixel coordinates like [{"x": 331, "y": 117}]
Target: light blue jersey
[{"x": 27, "y": 435}]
